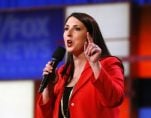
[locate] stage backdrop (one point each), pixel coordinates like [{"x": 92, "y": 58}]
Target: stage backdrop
[
  {"x": 7, "y": 4},
  {"x": 27, "y": 41}
]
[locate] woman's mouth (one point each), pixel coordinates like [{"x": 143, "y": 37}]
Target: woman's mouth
[{"x": 69, "y": 43}]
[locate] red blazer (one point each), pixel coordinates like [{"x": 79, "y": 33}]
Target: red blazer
[{"x": 90, "y": 98}]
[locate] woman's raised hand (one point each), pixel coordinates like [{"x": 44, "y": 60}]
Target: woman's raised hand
[{"x": 91, "y": 50}]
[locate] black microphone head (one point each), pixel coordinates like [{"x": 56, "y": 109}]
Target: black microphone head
[{"x": 59, "y": 53}]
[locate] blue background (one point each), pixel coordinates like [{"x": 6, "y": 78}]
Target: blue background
[
  {"x": 27, "y": 41},
  {"x": 36, "y": 3}
]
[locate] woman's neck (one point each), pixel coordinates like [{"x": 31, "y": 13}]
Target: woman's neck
[
  {"x": 79, "y": 64},
  {"x": 79, "y": 60}
]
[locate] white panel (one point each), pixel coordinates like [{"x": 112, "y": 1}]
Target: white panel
[
  {"x": 113, "y": 19},
  {"x": 118, "y": 48},
  {"x": 16, "y": 99},
  {"x": 126, "y": 68}
]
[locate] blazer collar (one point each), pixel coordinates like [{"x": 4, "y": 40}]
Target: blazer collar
[{"x": 85, "y": 76}]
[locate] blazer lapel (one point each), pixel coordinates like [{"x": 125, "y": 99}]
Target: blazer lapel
[{"x": 85, "y": 76}]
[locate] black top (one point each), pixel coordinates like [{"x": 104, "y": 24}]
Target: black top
[{"x": 66, "y": 96}]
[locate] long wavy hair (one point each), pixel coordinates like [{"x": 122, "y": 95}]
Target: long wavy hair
[{"x": 94, "y": 31}]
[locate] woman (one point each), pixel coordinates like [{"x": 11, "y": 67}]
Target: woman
[{"x": 91, "y": 82}]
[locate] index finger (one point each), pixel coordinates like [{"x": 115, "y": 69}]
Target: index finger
[{"x": 89, "y": 38}]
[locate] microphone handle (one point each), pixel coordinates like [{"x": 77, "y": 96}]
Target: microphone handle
[{"x": 49, "y": 77}]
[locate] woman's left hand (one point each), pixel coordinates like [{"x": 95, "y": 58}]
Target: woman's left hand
[{"x": 91, "y": 50}]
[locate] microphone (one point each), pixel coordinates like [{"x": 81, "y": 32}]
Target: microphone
[{"x": 56, "y": 58}]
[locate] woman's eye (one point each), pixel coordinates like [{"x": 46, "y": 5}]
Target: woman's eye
[
  {"x": 66, "y": 28},
  {"x": 77, "y": 28}
]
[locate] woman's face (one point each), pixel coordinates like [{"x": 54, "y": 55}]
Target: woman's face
[{"x": 75, "y": 35}]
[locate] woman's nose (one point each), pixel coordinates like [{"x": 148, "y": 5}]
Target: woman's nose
[{"x": 69, "y": 32}]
